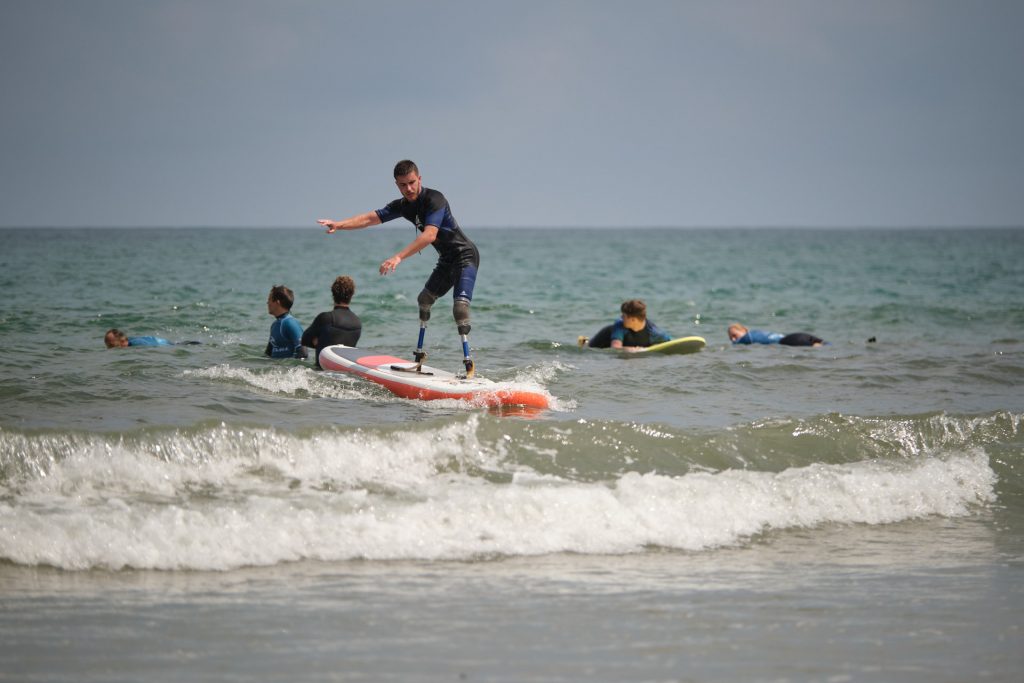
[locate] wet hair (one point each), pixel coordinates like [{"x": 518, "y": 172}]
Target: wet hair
[
  {"x": 343, "y": 289},
  {"x": 405, "y": 167},
  {"x": 112, "y": 334},
  {"x": 736, "y": 330},
  {"x": 634, "y": 308},
  {"x": 283, "y": 296}
]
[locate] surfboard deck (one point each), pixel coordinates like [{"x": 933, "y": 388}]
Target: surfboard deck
[
  {"x": 400, "y": 377},
  {"x": 672, "y": 347},
  {"x": 677, "y": 346}
]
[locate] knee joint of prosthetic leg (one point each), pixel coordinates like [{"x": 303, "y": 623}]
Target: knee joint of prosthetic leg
[
  {"x": 461, "y": 312},
  {"x": 425, "y": 301}
]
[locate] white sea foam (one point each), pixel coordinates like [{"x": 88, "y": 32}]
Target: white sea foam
[
  {"x": 288, "y": 380},
  {"x": 300, "y": 382},
  {"x": 226, "y": 498}
]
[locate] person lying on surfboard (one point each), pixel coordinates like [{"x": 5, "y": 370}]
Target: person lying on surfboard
[
  {"x": 631, "y": 332},
  {"x": 458, "y": 258},
  {"x": 738, "y": 334}
]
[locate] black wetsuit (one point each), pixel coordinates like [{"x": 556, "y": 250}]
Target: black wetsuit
[
  {"x": 792, "y": 339},
  {"x": 800, "y": 339},
  {"x": 338, "y": 326},
  {"x": 648, "y": 336},
  {"x": 458, "y": 256}
]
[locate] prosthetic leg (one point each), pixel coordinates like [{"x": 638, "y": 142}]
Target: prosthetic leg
[
  {"x": 425, "y": 301},
  {"x": 461, "y": 312}
]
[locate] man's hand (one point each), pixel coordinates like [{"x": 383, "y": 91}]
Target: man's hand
[
  {"x": 390, "y": 265},
  {"x": 329, "y": 224}
]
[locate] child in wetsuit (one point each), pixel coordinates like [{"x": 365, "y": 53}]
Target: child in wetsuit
[
  {"x": 738, "y": 334},
  {"x": 632, "y": 331}
]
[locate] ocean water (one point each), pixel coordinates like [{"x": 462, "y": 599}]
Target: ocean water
[{"x": 853, "y": 512}]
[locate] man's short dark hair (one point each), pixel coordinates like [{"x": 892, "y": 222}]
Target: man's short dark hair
[
  {"x": 283, "y": 296},
  {"x": 635, "y": 308},
  {"x": 343, "y": 289},
  {"x": 405, "y": 167}
]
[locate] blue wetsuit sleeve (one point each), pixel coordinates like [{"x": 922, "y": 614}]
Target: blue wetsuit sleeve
[
  {"x": 762, "y": 337},
  {"x": 390, "y": 212},
  {"x": 657, "y": 334},
  {"x": 618, "y": 331},
  {"x": 148, "y": 341},
  {"x": 435, "y": 218},
  {"x": 437, "y": 207}
]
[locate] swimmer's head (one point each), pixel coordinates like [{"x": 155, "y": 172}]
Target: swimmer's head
[{"x": 115, "y": 339}]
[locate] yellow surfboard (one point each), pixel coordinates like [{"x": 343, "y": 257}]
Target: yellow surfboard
[
  {"x": 682, "y": 345},
  {"x": 673, "y": 347}
]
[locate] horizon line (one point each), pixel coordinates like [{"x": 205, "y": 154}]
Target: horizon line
[{"x": 764, "y": 226}]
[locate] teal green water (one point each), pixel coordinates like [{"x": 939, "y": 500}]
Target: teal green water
[
  {"x": 944, "y": 306},
  {"x": 665, "y": 511}
]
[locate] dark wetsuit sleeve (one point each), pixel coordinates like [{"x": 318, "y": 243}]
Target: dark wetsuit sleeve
[
  {"x": 435, "y": 211},
  {"x": 390, "y": 212},
  {"x": 603, "y": 338},
  {"x": 312, "y": 331}
]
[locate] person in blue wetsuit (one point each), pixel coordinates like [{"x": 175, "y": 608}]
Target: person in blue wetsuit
[
  {"x": 340, "y": 325},
  {"x": 631, "y": 332},
  {"x": 285, "y": 332},
  {"x": 116, "y": 339},
  {"x": 458, "y": 258},
  {"x": 738, "y": 334}
]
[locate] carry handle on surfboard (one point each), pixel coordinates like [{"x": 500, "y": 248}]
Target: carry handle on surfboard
[
  {"x": 419, "y": 355},
  {"x": 416, "y": 369}
]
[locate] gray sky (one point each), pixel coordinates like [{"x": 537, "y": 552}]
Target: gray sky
[{"x": 600, "y": 113}]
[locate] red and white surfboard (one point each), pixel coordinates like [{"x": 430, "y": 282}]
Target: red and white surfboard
[{"x": 401, "y": 378}]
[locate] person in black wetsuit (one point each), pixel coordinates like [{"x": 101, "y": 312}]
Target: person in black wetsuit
[
  {"x": 458, "y": 258},
  {"x": 340, "y": 325},
  {"x": 633, "y": 331}
]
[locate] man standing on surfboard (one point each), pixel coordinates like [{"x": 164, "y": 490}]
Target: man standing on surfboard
[{"x": 458, "y": 258}]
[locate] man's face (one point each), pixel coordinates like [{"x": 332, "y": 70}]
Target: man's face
[
  {"x": 409, "y": 185},
  {"x": 114, "y": 342},
  {"x": 633, "y": 323}
]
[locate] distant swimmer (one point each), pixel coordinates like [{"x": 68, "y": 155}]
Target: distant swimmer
[
  {"x": 340, "y": 325},
  {"x": 116, "y": 339},
  {"x": 738, "y": 334},
  {"x": 285, "y": 332},
  {"x": 630, "y": 332},
  {"x": 458, "y": 258}
]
